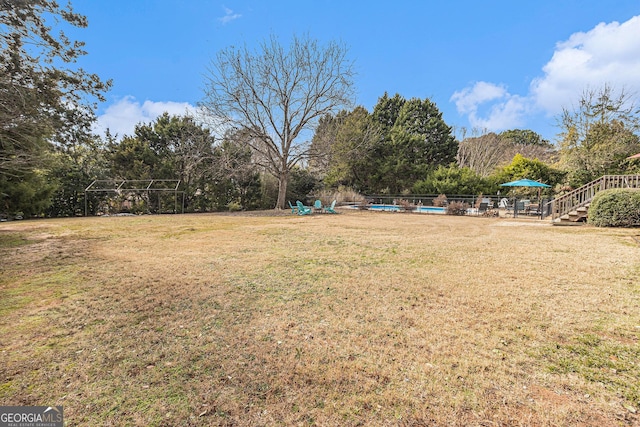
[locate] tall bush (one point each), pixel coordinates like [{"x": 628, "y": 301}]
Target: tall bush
[
  {"x": 522, "y": 167},
  {"x": 453, "y": 180},
  {"x": 615, "y": 208}
]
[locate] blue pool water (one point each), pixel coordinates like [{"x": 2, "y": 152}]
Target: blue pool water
[
  {"x": 387, "y": 208},
  {"x": 395, "y": 208},
  {"x": 431, "y": 209}
]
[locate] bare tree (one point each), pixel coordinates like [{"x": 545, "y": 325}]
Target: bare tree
[
  {"x": 604, "y": 105},
  {"x": 276, "y": 96},
  {"x": 528, "y": 144},
  {"x": 482, "y": 154},
  {"x": 598, "y": 135}
]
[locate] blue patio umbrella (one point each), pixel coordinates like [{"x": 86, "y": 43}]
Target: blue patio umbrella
[{"x": 526, "y": 183}]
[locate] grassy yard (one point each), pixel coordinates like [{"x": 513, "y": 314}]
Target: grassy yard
[{"x": 361, "y": 318}]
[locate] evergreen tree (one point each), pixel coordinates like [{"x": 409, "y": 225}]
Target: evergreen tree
[
  {"x": 44, "y": 101},
  {"x": 418, "y": 142}
]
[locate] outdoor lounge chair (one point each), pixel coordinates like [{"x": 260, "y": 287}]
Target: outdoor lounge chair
[
  {"x": 302, "y": 209},
  {"x": 317, "y": 206},
  {"x": 504, "y": 203},
  {"x": 533, "y": 209},
  {"x": 331, "y": 208},
  {"x": 517, "y": 209},
  {"x": 482, "y": 208},
  {"x": 294, "y": 209}
]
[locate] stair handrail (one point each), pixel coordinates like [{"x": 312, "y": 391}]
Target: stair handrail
[{"x": 582, "y": 196}]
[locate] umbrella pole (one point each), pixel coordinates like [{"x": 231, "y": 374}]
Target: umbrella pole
[{"x": 540, "y": 201}]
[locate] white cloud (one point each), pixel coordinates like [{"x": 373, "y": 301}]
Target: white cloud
[
  {"x": 122, "y": 117},
  {"x": 229, "y": 16},
  {"x": 506, "y": 110},
  {"x": 505, "y": 115},
  {"x": 468, "y": 99},
  {"x": 607, "y": 54}
]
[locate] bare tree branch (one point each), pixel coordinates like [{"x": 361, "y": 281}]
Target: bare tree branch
[{"x": 278, "y": 95}]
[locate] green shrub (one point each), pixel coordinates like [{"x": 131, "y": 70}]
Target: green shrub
[
  {"x": 234, "y": 207},
  {"x": 453, "y": 180},
  {"x": 615, "y": 208}
]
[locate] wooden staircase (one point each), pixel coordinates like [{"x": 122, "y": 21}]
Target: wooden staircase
[{"x": 573, "y": 207}]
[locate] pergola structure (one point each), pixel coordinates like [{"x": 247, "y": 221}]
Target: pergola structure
[{"x": 136, "y": 187}]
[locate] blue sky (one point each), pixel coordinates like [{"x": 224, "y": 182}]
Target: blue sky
[{"x": 488, "y": 65}]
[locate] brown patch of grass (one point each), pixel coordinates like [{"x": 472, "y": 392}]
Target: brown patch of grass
[{"x": 362, "y": 318}]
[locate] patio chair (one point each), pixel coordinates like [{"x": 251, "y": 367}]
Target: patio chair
[
  {"x": 517, "y": 209},
  {"x": 302, "y": 209},
  {"x": 331, "y": 208},
  {"x": 508, "y": 207},
  {"x": 533, "y": 209},
  {"x": 482, "y": 208},
  {"x": 294, "y": 209},
  {"x": 317, "y": 206}
]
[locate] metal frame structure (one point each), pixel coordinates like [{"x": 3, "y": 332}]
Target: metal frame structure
[{"x": 136, "y": 186}]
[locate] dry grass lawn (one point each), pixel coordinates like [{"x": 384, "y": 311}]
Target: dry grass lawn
[{"x": 363, "y": 318}]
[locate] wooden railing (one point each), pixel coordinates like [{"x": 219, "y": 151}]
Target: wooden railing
[{"x": 583, "y": 195}]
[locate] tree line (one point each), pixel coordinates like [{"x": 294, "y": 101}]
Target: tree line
[{"x": 278, "y": 124}]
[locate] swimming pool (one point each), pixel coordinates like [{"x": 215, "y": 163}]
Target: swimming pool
[
  {"x": 396, "y": 208},
  {"x": 431, "y": 209},
  {"x": 386, "y": 208}
]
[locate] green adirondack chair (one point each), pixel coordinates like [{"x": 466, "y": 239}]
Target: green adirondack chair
[
  {"x": 294, "y": 209},
  {"x": 302, "y": 209},
  {"x": 331, "y": 209}
]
